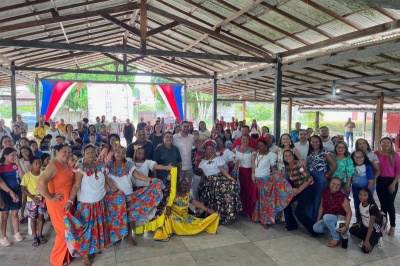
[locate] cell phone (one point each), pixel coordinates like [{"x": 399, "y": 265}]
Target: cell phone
[{"x": 340, "y": 224}]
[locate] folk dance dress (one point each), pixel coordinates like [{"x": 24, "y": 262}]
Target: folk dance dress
[
  {"x": 88, "y": 231},
  {"x": 141, "y": 204},
  {"x": 181, "y": 223},
  {"x": 274, "y": 192},
  {"x": 219, "y": 192}
]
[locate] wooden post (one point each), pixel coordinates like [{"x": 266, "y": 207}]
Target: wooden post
[
  {"x": 364, "y": 124},
  {"x": 13, "y": 93},
  {"x": 379, "y": 119},
  {"x": 278, "y": 98},
  {"x": 185, "y": 115},
  {"x": 373, "y": 131},
  {"x": 215, "y": 95},
  {"x": 289, "y": 121},
  {"x": 243, "y": 110},
  {"x": 37, "y": 96},
  {"x": 316, "y": 123}
]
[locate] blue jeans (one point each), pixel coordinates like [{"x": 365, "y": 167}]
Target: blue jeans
[
  {"x": 320, "y": 183},
  {"x": 349, "y": 135},
  {"x": 328, "y": 223}
]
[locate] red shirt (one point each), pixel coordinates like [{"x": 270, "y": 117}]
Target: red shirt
[
  {"x": 238, "y": 142},
  {"x": 223, "y": 124},
  {"x": 233, "y": 126},
  {"x": 332, "y": 202}
]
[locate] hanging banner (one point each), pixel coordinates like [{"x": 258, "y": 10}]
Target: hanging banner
[
  {"x": 54, "y": 95},
  {"x": 172, "y": 96}
]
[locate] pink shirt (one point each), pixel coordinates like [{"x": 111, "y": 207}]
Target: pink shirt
[{"x": 388, "y": 170}]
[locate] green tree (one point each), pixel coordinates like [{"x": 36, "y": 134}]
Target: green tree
[{"x": 259, "y": 111}]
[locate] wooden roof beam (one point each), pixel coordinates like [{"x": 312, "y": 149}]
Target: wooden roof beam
[
  {"x": 218, "y": 36},
  {"x": 393, "y": 4},
  {"x": 83, "y": 15},
  {"x": 143, "y": 26},
  {"x": 162, "y": 28},
  {"x": 123, "y": 25},
  {"x": 21, "y": 5}
]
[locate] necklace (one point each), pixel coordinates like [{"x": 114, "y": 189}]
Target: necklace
[
  {"x": 259, "y": 159},
  {"x": 92, "y": 170},
  {"x": 212, "y": 157},
  {"x": 138, "y": 165}
]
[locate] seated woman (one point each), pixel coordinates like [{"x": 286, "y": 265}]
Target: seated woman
[
  {"x": 219, "y": 190},
  {"x": 302, "y": 192},
  {"x": 334, "y": 214},
  {"x": 274, "y": 192},
  {"x": 179, "y": 221},
  {"x": 369, "y": 228}
]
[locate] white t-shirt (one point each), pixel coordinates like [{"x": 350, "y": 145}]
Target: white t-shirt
[
  {"x": 236, "y": 134},
  {"x": 228, "y": 156},
  {"x": 185, "y": 145},
  {"x": 206, "y": 133},
  {"x": 303, "y": 149},
  {"x": 264, "y": 163},
  {"x": 211, "y": 167},
  {"x": 244, "y": 159},
  {"x": 329, "y": 145},
  {"x": 92, "y": 186},
  {"x": 143, "y": 169},
  {"x": 366, "y": 213},
  {"x": 54, "y": 135},
  {"x": 114, "y": 127},
  {"x": 123, "y": 181}
]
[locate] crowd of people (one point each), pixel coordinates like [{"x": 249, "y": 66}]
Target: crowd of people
[{"x": 183, "y": 181}]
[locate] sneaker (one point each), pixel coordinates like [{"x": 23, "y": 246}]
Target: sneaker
[
  {"x": 380, "y": 242},
  {"x": 361, "y": 244},
  {"x": 18, "y": 237},
  {"x": 5, "y": 242}
]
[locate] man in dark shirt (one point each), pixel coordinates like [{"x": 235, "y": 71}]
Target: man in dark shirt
[
  {"x": 140, "y": 141},
  {"x": 16, "y": 133},
  {"x": 81, "y": 131},
  {"x": 42, "y": 118},
  {"x": 141, "y": 124},
  {"x": 165, "y": 154}
]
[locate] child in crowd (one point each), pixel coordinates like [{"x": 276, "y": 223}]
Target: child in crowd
[
  {"x": 25, "y": 154},
  {"x": 35, "y": 205},
  {"x": 77, "y": 148},
  {"x": 34, "y": 147},
  {"x": 59, "y": 140},
  {"x": 74, "y": 136},
  {"x": 45, "y": 158},
  {"x": 92, "y": 141},
  {"x": 369, "y": 229},
  {"x": 45, "y": 144},
  {"x": 22, "y": 142}
]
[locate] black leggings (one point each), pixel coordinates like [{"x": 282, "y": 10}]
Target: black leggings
[
  {"x": 361, "y": 232},
  {"x": 386, "y": 198}
]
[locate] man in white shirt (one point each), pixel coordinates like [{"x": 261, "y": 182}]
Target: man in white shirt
[
  {"x": 184, "y": 142},
  {"x": 302, "y": 145},
  {"x": 114, "y": 127},
  {"x": 349, "y": 127},
  {"x": 326, "y": 140},
  {"x": 237, "y": 133}
]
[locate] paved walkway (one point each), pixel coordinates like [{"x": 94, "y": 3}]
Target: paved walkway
[{"x": 241, "y": 243}]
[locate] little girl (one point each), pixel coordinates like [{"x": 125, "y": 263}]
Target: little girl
[
  {"x": 45, "y": 158},
  {"x": 369, "y": 228},
  {"x": 25, "y": 154},
  {"x": 35, "y": 205}
]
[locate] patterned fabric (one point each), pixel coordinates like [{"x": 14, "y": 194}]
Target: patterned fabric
[
  {"x": 35, "y": 209},
  {"x": 274, "y": 193},
  {"x": 280, "y": 163},
  {"x": 127, "y": 169},
  {"x": 117, "y": 216},
  {"x": 197, "y": 156},
  {"x": 332, "y": 202},
  {"x": 181, "y": 223},
  {"x": 345, "y": 168},
  {"x": 142, "y": 204},
  {"x": 87, "y": 232},
  {"x": 297, "y": 176},
  {"x": 222, "y": 195},
  {"x": 316, "y": 161},
  {"x": 106, "y": 156},
  {"x": 248, "y": 191}
]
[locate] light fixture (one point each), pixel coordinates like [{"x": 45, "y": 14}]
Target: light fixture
[
  {"x": 241, "y": 97},
  {"x": 337, "y": 90},
  {"x": 273, "y": 94}
]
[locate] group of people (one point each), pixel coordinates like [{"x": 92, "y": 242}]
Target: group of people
[{"x": 188, "y": 181}]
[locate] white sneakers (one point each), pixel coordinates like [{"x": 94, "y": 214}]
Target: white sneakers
[{"x": 5, "y": 242}]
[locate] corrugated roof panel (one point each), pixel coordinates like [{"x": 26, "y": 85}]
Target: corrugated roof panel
[
  {"x": 250, "y": 37},
  {"x": 393, "y": 66},
  {"x": 274, "y": 48},
  {"x": 311, "y": 36},
  {"x": 219, "y": 8},
  {"x": 394, "y": 12},
  {"x": 305, "y": 12},
  {"x": 281, "y": 22},
  {"x": 271, "y": 34},
  {"x": 369, "y": 18},
  {"x": 291, "y": 43},
  {"x": 369, "y": 70},
  {"x": 337, "y": 7},
  {"x": 337, "y": 28}
]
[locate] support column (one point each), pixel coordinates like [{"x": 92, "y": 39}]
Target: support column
[
  {"x": 278, "y": 98},
  {"x": 316, "y": 123},
  {"x": 215, "y": 95},
  {"x": 289, "y": 121},
  {"x": 364, "y": 124},
  {"x": 185, "y": 97},
  {"x": 373, "y": 131},
  {"x": 243, "y": 110},
  {"x": 13, "y": 93},
  {"x": 37, "y": 97},
  {"x": 379, "y": 119}
]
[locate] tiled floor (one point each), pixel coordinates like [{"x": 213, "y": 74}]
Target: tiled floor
[{"x": 241, "y": 243}]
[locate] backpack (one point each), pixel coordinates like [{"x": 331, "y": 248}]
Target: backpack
[{"x": 381, "y": 220}]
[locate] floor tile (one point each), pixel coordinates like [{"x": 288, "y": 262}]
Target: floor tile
[
  {"x": 385, "y": 262},
  {"x": 183, "y": 259}
]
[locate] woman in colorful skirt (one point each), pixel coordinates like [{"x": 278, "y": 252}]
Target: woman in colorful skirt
[
  {"x": 179, "y": 221},
  {"x": 141, "y": 204},
  {"x": 88, "y": 231},
  {"x": 219, "y": 190},
  {"x": 248, "y": 189},
  {"x": 273, "y": 192}
]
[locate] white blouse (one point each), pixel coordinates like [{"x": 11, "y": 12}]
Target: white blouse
[
  {"x": 211, "y": 167},
  {"x": 263, "y": 164},
  {"x": 92, "y": 186},
  {"x": 143, "y": 169},
  {"x": 228, "y": 156}
]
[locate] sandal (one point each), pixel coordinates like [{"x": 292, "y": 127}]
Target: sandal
[
  {"x": 35, "y": 241},
  {"x": 333, "y": 243},
  {"x": 86, "y": 261},
  {"x": 42, "y": 240},
  {"x": 391, "y": 231}
]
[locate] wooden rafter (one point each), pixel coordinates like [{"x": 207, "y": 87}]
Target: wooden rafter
[{"x": 143, "y": 26}]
